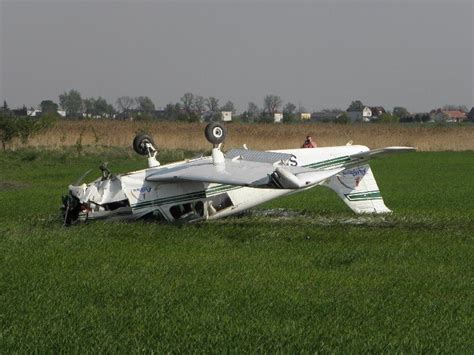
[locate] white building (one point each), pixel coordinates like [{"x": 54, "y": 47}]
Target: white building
[
  {"x": 33, "y": 112},
  {"x": 305, "y": 116},
  {"x": 363, "y": 115},
  {"x": 449, "y": 116},
  {"x": 226, "y": 116},
  {"x": 278, "y": 117}
]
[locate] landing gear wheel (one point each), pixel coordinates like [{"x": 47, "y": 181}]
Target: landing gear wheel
[
  {"x": 140, "y": 143},
  {"x": 215, "y": 133}
]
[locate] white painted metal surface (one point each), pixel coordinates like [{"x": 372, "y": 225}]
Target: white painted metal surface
[{"x": 220, "y": 185}]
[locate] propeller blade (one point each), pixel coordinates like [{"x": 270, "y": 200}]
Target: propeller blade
[{"x": 82, "y": 177}]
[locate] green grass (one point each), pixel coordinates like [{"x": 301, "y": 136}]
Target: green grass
[{"x": 325, "y": 281}]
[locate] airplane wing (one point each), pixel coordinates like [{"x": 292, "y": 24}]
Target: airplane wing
[
  {"x": 257, "y": 169},
  {"x": 244, "y": 168}
]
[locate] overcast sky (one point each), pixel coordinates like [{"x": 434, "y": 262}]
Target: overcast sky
[{"x": 319, "y": 54}]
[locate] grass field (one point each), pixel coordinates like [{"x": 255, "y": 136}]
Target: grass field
[{"x": 323, "y": 280}]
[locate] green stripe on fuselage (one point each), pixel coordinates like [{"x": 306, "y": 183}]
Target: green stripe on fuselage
[
  {"x": 171, "y": 199},
  {"x": 328, "y": 163}
]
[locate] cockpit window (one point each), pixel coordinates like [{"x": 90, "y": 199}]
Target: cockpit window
[{"x": 188, "y": 210}]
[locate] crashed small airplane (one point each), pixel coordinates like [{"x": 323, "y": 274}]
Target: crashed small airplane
[{"x": 225, "y": 184}]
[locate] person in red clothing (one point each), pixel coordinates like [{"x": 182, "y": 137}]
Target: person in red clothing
[{"x": 308, "y": 143}]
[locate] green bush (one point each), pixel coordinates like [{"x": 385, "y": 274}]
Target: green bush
[
  {"x": 389, "y": 118},
  {"x": 265, "y": 118},
  {"x": 8, "y": 128},
  {"x": 22, "y": 127},
  {"x": 342, "y": 119}
]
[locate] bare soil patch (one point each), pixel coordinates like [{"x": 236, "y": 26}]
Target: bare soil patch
[{"x": 12, "y": 185}]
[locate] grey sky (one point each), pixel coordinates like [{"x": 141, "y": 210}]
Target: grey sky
[{"x": 318, "y": 54}]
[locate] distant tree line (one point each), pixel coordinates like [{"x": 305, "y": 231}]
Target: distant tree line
[
  {"x": 190, "y": 107},
  {"x": 194, "y": 108}
]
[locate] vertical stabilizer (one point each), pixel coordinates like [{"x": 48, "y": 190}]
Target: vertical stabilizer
[{"x": 357, "y": 187}]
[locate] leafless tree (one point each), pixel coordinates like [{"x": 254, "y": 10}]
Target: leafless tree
[
  {"x": 212, "y": 104},
  {"x": 125, "y": 103},
  {"x": 229, "y": 106},
  {"x": 289, "y": 108},
  {"x": 272, "y": 103},
  {"x": 188, "y": 102},
  {"x": 145, "y": 104},
  {"x": 199, "y": 104}
]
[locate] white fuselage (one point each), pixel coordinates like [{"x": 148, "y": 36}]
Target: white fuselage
[{"x": 186, "y": 201}]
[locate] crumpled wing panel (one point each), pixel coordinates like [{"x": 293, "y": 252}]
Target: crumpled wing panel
[{"x": 232, "y": 173}]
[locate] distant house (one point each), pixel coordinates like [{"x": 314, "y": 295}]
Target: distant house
[
  {"x": 20, "y": 112},
  {"x": 364, "y": 114},
  {"x": 305, "y": 116},
  {"x": 456, "y": 115},
  {"x": 226, "y": 116},
  {"x": 448, "y": 115},
  {"x": 159, "y": 113},
  {"x": 278, "y": 117},
  {"x": 377, "y": 112},
  {"x": 33, "y": 112},
  {"x": 470, "y": 115},
  {"x": 126, "y": 116},
  {"x": 90, "y": 115},
  {"x": 325, "y": 116}
]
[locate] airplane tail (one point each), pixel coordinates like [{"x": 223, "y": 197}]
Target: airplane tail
[{"x": 357, "y": 187}]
